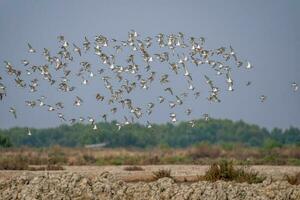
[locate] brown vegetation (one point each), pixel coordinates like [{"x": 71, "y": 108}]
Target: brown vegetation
[
  {"x": 200, "y": 154},
  {"x": 293, "y": 179},
  {"x": 225, "y": 171},
  {"x": 162, "y": 173},
  {"x": 133, "y": 168}
]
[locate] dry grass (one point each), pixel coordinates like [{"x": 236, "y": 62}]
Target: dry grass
[
  {"x": 46, "y": 168},
  {"x": 13, "y": 163},
  {"x": 201, "y": 154},
  {"x": 162, "y": 173},
  {"x": 133, "y": 168},
  {"x": 21, "y": 163},
  {"x": 293, "y": 179},
  {"x": 226, "y": 171}
]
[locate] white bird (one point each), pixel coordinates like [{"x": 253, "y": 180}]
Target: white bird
[
  {"x": 85, "y": 81},
  {"x": 161, "y": 99},
  {"x": 30, "y": 49},
  {"x": 50, "y": 108},
  {"x": 206, "y": 116},
  {"x": 119, "y": 125},
  {"x": 262, "y": 98},
  {"x": 2, "y": 91},
  {"x": 95, "y": 127},
  {"x": 91, "y": 120},
  {"x": 295, "y": 86},
  {"x": 13, "y": 111},
  {"x": 188, "y": 111},
  {"x": 81, "y": 119},
  {"x": 28, "y": 132},
  {"x": 192, "y": 123},
  {"x": 149, "y": 125},
  {"x": 249, "y": 65},
  {"x": 61, "y": 116},
  {"x": 78, "y": 101},
  {"x": 25, "y": 62},
  {"x": 77, "y": 49},
  {"x": 173, "y": 117}
]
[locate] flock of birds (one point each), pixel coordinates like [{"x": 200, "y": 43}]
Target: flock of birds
[{"x": 177, "y": 53}]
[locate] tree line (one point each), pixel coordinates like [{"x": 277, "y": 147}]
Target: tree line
[{"x": 214, "y": 131}]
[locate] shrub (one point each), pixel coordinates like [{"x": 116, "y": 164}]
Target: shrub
[
  {"x": 225, "y": 170},
  {"x": 133, "y": 168},
  {"x": 293, "y": 179},
  {"x": 5, "y": 141},
  {"x": 56, "y": 155},
  {"x": 13, "y": 163},
  {"x": 162, "y": 173},
  {"x": 204, "y": 150}
]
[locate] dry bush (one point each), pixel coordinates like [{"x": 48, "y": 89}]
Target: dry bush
[
  {"x": 204, "y": 151},
  {"x": 47, "y": 167},
  {"x": 133, "y": 168},
  {"x": 201, "y": 154},
  {"x": 162, "y": 173},
  {"x": 13, "y": 163},
  {"x": 54, "y": 167},
  {"x": 288, "y": 152},
  {"x": 293, "y": 179},
  {"x": 243, "y": 153},
  {"x": 225, "y": 170}
]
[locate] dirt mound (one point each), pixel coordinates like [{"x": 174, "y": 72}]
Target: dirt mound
[{"x": 106, "y": 186}]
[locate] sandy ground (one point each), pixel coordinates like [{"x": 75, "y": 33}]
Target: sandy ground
[
  {"x": 113, "y": 182},
  {"x": 187, "y": 172}
]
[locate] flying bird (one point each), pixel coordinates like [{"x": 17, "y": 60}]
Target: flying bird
[
  {"x": 13, "y": 111},
  {"x": 295, "y": 86},
  {"x": 30, "y": 49}
]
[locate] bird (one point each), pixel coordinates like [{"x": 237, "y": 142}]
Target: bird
[
  {"x": 81, "y": 119},
  {"x": 188, "y": 111},
  {"x": 99, "y": 97},
  {"x": 149, "y": 125},
  {"x": 95, "y": 127},
  {"x": 173, "y": 117},
  {"x": 30, "y": 49},
  {"x": 192, "y": 123},
  {"x": 161, "y": 99},
  {"x": 206, "y": 117},
  {"x": 50, "y": 108},
  {"x": 249, "y": 66},
  {"x": 78, "y": 101},
  {"x": 172, "y": 104},
  {"x": 77, "y": 49},
  {"x": 229, "y": 82},
  {"x": 169, "y": 90},
  {"x": 61, "y": 116},
  {"x": 262, "y": 98},
  {"x": 295, "y": 86},
  {"x": 86, "y": 44},
  {"x": 29, "y": 132},
  {"x": 72, "y": 121},
  {"x": 2, "y": 91},
  {"x": 25, "y": 62},
  {"x": 13, "y": 111}
]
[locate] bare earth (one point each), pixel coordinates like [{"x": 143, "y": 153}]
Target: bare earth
[
  {"x": 113, "y": 182},
  {"x": 276, "y": 172}
]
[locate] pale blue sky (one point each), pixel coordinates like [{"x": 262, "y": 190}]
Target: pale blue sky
[{"x": 264, "y": 32}]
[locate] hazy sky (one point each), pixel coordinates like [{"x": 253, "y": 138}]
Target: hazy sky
[{"x": 264, "y": 32}]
